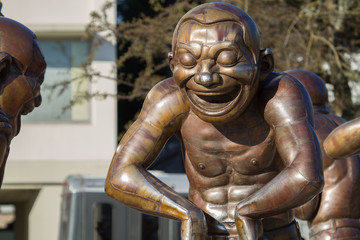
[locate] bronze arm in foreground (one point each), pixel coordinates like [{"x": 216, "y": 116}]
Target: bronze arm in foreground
[
  {"x": 297, "y": 145},
  {"x": 344, "y": 140},
  {"x": 130, "y": 183}
]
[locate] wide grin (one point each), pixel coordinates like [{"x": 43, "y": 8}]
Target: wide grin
[{"x": 214, "y": 102}]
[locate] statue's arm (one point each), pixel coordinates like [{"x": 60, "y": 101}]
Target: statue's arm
[
  {"x": 129, "y": 182},
  {"x": 289, "y": 113},
  {"x": 323, "y": 125},
  {"x": 344, "y": 141},
  {"x": 308, "y": 210}
]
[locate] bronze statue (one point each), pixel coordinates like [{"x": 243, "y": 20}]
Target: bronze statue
[
  {"x": 335, "y": 213},
  {"x": 250, "y": 152},
  {"x": 22, "y": 69},
  {"x": 344, "y": 140}
]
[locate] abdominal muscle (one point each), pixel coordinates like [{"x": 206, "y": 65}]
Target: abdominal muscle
[{"x": 220, "y": 202}]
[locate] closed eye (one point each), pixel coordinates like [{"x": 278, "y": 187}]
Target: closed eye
[
  {"x": 187, "y": 60},
  {"x": 227, "y": 58}
]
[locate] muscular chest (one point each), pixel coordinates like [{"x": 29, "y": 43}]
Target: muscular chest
[{"x": 245, "y": 146}]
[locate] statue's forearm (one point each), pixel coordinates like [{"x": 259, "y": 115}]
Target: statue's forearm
[
  {"x": 138, "y": 189},
  {"x": 344, "y": 140},
  {"x": 288, "y": 190},
  {"x": 128, "y": 181},
  {"x": 298, "y": 182}
]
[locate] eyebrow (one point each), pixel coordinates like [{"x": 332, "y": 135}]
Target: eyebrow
[
  {"x": 214, "y": 49},
  {"x": 190, "y": 47}
]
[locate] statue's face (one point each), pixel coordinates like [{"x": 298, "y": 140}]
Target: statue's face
[
  {"x": 21, "y": 92},
  {"x": 215, "y": 70}
]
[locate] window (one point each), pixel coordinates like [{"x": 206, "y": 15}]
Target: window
[
  {"x": 7, "y": 220},
  {"x": 103, "y": 221},
  {"x": 64, "y": 59}
]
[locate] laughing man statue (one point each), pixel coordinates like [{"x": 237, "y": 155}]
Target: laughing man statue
[
  {"x": 22, "y": 69},
  {"x": 249, "y": 148}
]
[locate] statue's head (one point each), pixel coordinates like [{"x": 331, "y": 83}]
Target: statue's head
[
  {"x": 314, "y": 85},
  {"x": 22, "y": 69},
  {"x": 217, "y": 60}
]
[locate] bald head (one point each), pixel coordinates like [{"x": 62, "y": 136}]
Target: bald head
[
  {"x": 18, "y": 41},
  {"x": 214, "y": 13},
  {"x": 22, "y": 69}
]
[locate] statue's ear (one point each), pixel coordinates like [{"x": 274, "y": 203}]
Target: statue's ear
[
  {"x": 266, "y": 63},
  {"x": 170, "y": 59}
]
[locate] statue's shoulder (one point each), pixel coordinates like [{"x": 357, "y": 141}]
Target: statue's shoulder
[
  {"x": 282, "y": 93},
  {"x": 282, "y": 85},
  {"x": 338, "y": 120},
  {"x": 164, "y": 89},
  {"x": 165, "y": 98},
  {"x": 280, "y": 79}
]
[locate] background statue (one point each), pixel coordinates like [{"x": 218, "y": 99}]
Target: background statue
[
  {"x": 22, "y": 69},
  {"x": 250, "y": 152},
  {"x": 334, "y": 213},
  {"x": 344, "y": 140}
]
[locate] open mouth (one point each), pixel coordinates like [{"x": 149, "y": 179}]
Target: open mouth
[{"x": 214, "y": 101}]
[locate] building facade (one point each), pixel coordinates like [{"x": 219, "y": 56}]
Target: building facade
[{"x": 55, "y": 142}]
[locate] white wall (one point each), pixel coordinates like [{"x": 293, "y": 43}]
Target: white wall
[
  {"x": 44, "y": 154},
  {"x": 93, "y": 141},
  {"x": 51, "y": 14}
]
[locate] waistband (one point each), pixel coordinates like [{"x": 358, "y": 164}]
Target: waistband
[
  {"x": 333, "y": 224},
  {"x": 222, "y": 238},
  {"x": 288, "y": 232}
]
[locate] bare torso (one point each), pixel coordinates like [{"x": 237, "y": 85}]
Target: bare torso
[
  {"x": 227, "y": 164},
  {"x": 251, "y": 167},
  {"x": 341, "y": 194}
]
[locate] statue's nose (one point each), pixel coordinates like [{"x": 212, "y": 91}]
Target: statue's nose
[{"x": 205, "y": 77}]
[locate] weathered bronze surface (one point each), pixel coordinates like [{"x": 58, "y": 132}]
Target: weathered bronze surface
[
  {"x": 335, "y": 213},
  {"x": 22, "y": 69},
  {"x": 250, "y": 152},
  {"x": 344, "y": 140}
]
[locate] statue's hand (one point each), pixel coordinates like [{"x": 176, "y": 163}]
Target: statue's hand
[
  {"x": 248, "y": 228},
  {"x": 5, "y": 126},
  {"x": 194, "y": 227}
]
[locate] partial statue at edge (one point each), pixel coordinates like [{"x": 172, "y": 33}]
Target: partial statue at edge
[
  {"x": 335, "y": 213},
  {"x": 344, "y": 140},
  {"x": 22, "y": 69},
  {"x": 250, "y": 151}
]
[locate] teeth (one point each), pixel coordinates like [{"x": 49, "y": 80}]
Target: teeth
[{"x": 213, "y": 101}]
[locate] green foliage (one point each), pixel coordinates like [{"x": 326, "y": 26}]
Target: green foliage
[
  {"x": 323, "y": 38},
  {"x": 307, "y": 34}
]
